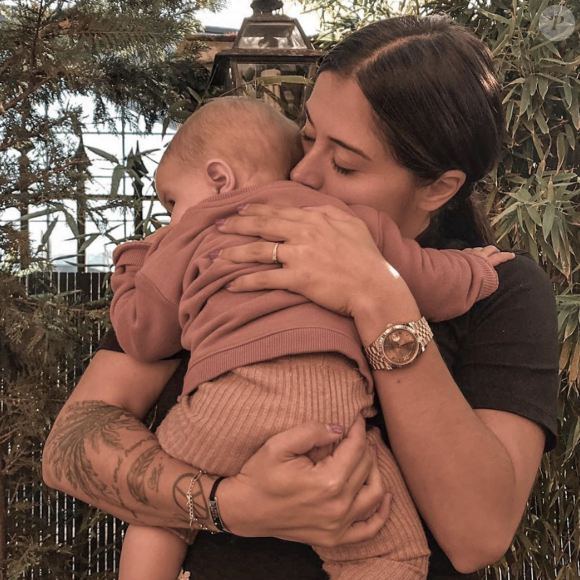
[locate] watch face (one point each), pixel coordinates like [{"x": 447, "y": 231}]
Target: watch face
[{"x": 401, "y": 347}]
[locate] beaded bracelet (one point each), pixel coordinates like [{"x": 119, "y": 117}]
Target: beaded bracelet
[{"x": 193, "y": 520}]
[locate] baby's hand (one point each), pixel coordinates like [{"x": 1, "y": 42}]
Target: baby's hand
[{"x": 493, "y": 255}]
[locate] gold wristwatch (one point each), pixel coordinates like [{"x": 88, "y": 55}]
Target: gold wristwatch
[{"x": 399, "y": 345}]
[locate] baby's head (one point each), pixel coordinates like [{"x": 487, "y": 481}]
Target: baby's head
[{"x": 230, "y": 143}]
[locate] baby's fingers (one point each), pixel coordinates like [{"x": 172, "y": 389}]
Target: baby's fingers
[{"x": 500, "y": 258}]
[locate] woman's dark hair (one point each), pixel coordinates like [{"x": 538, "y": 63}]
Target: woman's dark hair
[{"x": 436, "y": 98}]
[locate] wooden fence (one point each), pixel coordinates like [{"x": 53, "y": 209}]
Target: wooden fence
[{"x": 89, "y": 541}]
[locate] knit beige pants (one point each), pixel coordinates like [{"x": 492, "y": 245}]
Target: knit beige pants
[{"x": 225, "y": 421}]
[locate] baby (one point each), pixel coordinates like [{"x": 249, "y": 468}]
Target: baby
[{"x": 263, "y": 362}]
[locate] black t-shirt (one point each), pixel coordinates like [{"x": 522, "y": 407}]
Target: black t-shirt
[{"x": 503, "y": 354}]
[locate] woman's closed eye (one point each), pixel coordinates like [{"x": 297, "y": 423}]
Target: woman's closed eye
[
  {"x": 306, "y": 137},
  {"x": 341, "y": 170}
]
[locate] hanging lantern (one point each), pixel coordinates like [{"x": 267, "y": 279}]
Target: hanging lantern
[{"x": 271, "y": 56}]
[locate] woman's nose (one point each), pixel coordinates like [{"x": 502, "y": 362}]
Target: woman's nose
[{"x": 307, "y": 173}]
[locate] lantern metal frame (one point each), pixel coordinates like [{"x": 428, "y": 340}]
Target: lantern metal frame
[{"x": 228, "y": 64}]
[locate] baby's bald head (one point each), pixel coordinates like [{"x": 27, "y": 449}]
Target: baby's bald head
[{"x": 258, "y": 142}]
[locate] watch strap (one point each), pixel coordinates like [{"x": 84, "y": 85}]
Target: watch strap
[{"x": 375, "y": 352}]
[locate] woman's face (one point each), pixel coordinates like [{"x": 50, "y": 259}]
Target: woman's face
[{"x": 345, "y": 158}]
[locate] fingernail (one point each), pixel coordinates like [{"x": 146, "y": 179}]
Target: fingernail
[
  {"x": 215, "y": 254},
  {"x": 219, "y": 223},
  {"x": 375, "y": 448},
  {"x": 241, "y": 207},
  {"x": 228, "y": 285},
  {"x": 336, "y": 428}
]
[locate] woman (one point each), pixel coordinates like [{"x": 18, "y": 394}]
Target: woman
[{"x": 406, "y": 109}]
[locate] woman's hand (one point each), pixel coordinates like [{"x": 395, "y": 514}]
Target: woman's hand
[
  {"x": 280, "y": 492},
  {"x": 328, "y": 255}
]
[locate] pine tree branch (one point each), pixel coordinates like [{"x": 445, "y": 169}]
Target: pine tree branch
[
  {"x": 36, "y": 33},
  {"x": 13, "y": 103},
  {"x": 11, "y": 60},
  {"x": 42, "y": 129}
]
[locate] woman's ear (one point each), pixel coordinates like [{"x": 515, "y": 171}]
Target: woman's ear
[
  {"x": 220, "y": 175},
  {"x": 438, "y": 193}
]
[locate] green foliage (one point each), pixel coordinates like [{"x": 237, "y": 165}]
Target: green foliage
[{"x": 129, "y": 58}]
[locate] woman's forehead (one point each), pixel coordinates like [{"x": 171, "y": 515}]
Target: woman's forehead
[{"x": 338, "y": 109}]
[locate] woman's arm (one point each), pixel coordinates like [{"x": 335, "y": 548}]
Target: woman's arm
[
  {"x": 470, "y": 472},
  {"x": 100, "y": 452}
]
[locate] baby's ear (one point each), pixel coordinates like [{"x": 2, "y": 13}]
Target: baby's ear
[{"x": 220, "y": 175}]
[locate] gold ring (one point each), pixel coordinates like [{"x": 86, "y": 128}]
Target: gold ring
[{"x": 275, "y": 253}]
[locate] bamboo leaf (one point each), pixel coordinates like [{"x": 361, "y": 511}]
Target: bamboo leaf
[
  {"x": 37, "y": 214},
  {"x": 89, "y": 240},
  {"x": 574, "y": 367},
  {"x": 550, "y": 193},
  {"x": 513, "y": 207},
  {"x": 561, "y": 149},
  {"x": 567, "y": 92},
  {"x": 509, "y": 113},
  {"x": 543, "y": 85},
  {"x": 538, "y": 146},
  {"x": 534, "y": 214},
  {"x": 541, "y": 122},
  {"x": 71, "y": 222},
  {"x": 548, "y": 219},
  {"x": 570, "y": 135},
  {"x": 49, "y": 231},
  {"x": 103, "y": 154},
  {"x": 525, "y": 101},
  {"x": 565, "y": 353},
  {"x": 575, "y": 111},
  {"x": 116, "y": 178},
  {"x": 571, "y": 327}
]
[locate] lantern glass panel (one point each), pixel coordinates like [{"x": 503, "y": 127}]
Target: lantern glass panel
[
  {"x": 290, "y": 93},
  {"x": 277, "y": 35}
]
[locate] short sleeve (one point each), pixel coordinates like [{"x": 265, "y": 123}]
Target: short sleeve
[
  {"x": 110, "y": 342},
  {"x": 509, "y": 360}
]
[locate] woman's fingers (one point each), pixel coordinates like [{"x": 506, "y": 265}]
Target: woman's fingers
[
  {"x": 351, "y": 451},
  {"x": 303, "y": 438},
  {"x": 294, "y": 213},
  {"x": 262, "y": 252},
  {"x": 277, "y": 223},
  {"x": 330, "y": 211},
  {"x": 368, "y": 528}
]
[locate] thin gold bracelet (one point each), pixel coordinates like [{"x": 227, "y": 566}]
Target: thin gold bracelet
[{"x": 193, "y": 520}]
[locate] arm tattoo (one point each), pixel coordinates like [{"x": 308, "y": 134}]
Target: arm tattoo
[
  {"x": 200, "y": 504},
  {"x": 138, "y": 473},
  {"x": 96, "y": 424}
]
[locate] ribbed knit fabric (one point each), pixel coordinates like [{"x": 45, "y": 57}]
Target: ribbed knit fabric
[{"x": 227, "y": 420}]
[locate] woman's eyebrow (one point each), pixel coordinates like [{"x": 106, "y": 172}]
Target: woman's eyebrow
[{"x": 339, "y": 142}]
